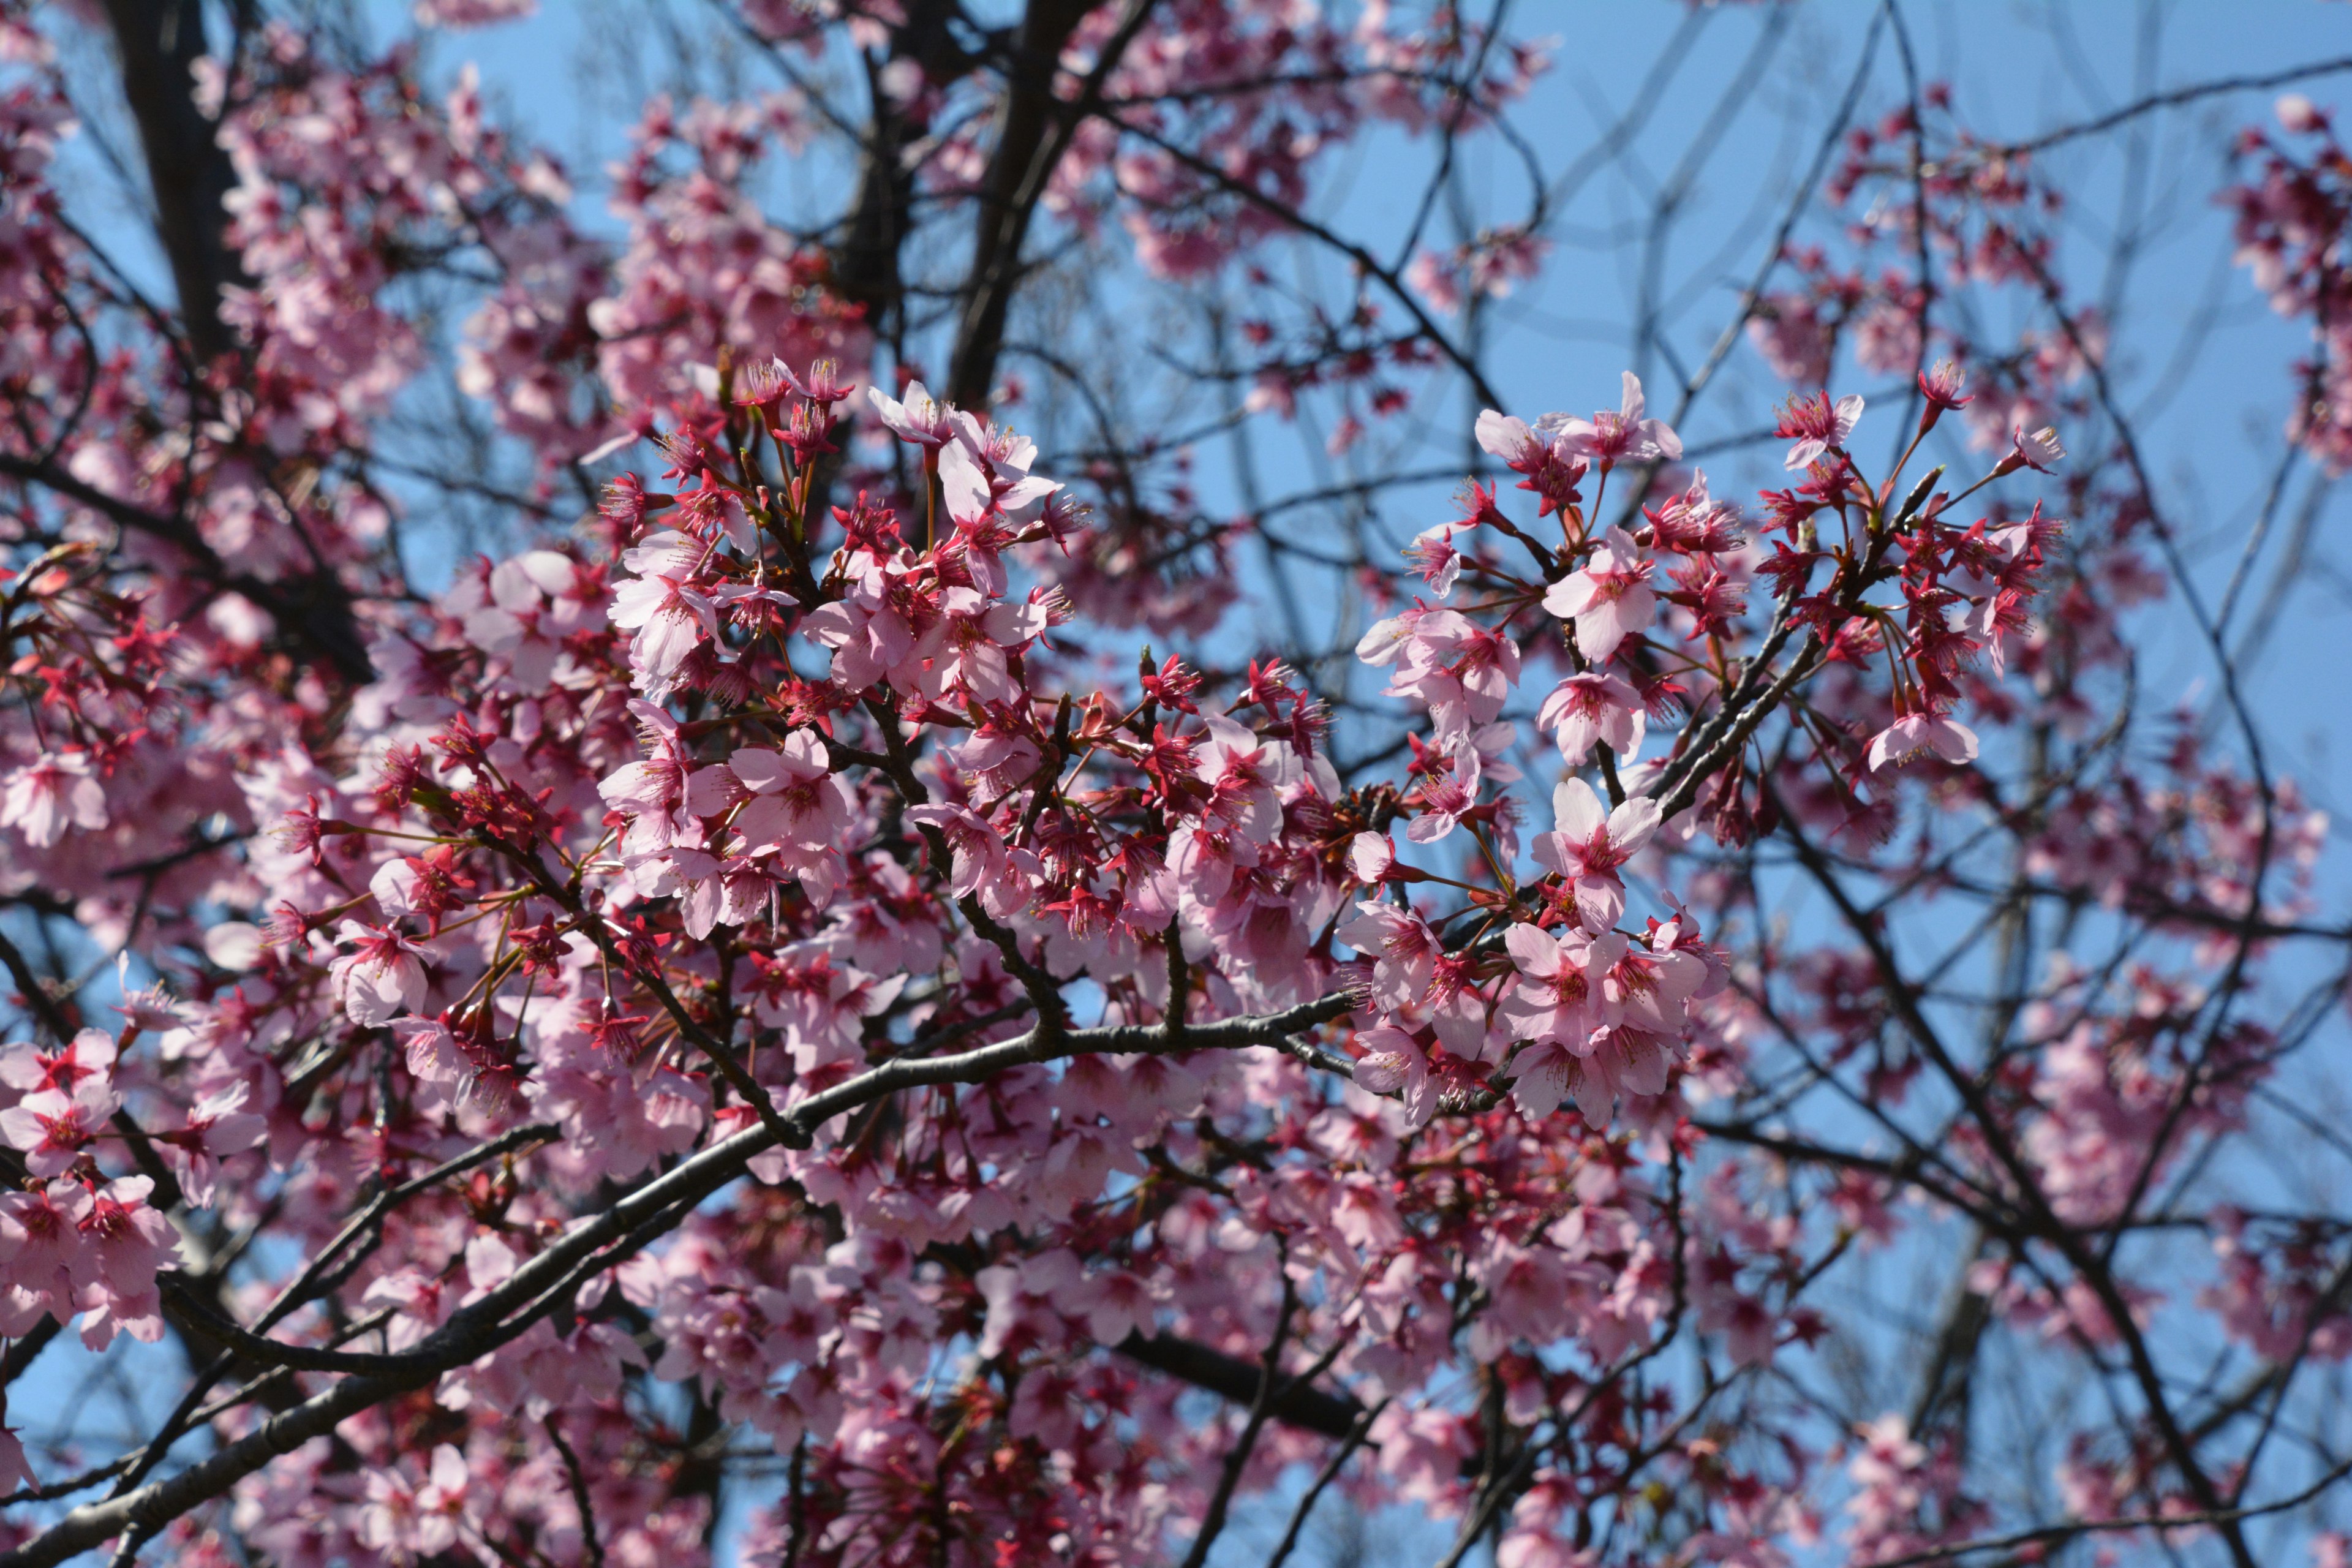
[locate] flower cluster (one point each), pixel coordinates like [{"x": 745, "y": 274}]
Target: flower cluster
[{"x": 771, "y": 1007}]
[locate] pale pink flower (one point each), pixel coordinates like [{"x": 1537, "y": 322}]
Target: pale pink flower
[
  {"x": 1433, "y": 555},
  {"x": 1786, "y": 331},
  {"x": 1594, "y": 708},
  {"x": 51, "y": 1128},
  {"x": 51, "y": 793},
  {"x": 1246, "y": 775},
  {"x": 217, "y": 1125},
  {"x": 1624, "y": 437},
  {"x": 1372, "y": 857},
  {"x": 2298, "y": 115},
  {"x": 1510, "y": 438},
  {"x": 795, "y": 798},
  {"x": 1591, "y": 843},
  {"x": 409, "y": 1521},
  {"x": 1393, "y": 1064},
  {"x": 868, "y": 638},
  {"x": 89, "y": 1054},
  {"x": 1555, "y": 995},
  {"x": 1620, "y": 1064},
  {"x": 1918, "y": 734},
  {"x": 460, "y": 14},
  {"x": 382, "y": 979},
  {"x": 1448, "y": 792},
  {"x": 671, "y": 616},
  {"x": 2038, "y": 450},
  {"x": 1462, "y": 672},
  {"x": 127, "y": 1241},
  {"x": 915, "y": 417},
  {"x": 984, "y": 470},
  {"x": 41, "y": 1237},
  {"x": 981, "y": 864},
  {"x": 1609, "y": 599},
  {"x": 1401, "y": 946}
]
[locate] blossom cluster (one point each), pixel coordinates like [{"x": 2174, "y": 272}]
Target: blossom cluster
[{"x": 779, "y": 978}]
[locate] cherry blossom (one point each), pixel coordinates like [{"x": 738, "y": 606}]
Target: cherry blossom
[
  {"x": 1816, "y": 426},
  {"x": 1624, "y": 437},
  {"x": 1609, "y": 599},
  {"x": 44, "y": 799},
  {"x": 1588, "y": 846},
  {"x": 883, "y": 988}
]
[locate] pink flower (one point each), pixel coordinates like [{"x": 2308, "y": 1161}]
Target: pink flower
[
  {"x": 1553, "y": 472},
  {"x": 915, "y": 417},
  {"x": 126, "y": 1241},
  {"x": 1401, "y": 946},
  {"x": 1598, "y": 1015},
  {"x": 1449, "y": 790},
  {"x": 41, "y": 1238},
  {"x": 670, "y": 613},
  {"x": 1435, "y": 280},
  {"x": 1462, "y": 671},
  {"x": 1620, "y": 1064},
  {"x": 2038, "y": 451},
  {"x": 1918, "y": 734},
  {"x": 471, "y": 12},
  {"x": 868, "y": 638},
  {"x": 1816, "y": 426},
  {"x": 1694, "y": 522},
  {"x": 1393, "y": 1064},
  {"x": 382, "y": 979},
  {"x": 51, "y": 1127},
  {"x": 969, "y": 647},
  {"x": 984, "y": 472},
  {"x": 795, "y": 798},
  {"x": 1385, "y": 641},
  {"x": 1786, "y": 331},
  {"x": 2298, "y": 115},
  {"x": 1594, "y": 708},
  {"x": 1943, "y": 386},
  {"x": 1589, "y": 846},
  {"x": 431, "y": 1052},
  {"x": 1433, "y": 555},
  {"x": 47, "y": 795},
  {"x": 1246, "y": 774},
  {"x": 218, "y": 1125},
  {"x": 981, "y": 862},
  {"x": 411, "y": 1521},
  {"x": 1609, "y": 599},
  {"x": 1510, "y": 438},
  {"x": 1554, "y": 996},
  {"x": 1624, "y": 436},
  {"x": 89, "y": 1054}
]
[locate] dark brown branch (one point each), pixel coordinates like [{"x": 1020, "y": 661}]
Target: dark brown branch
[
  {"x": 1306, "y": 1407},
  {"x": 158, "y": 43},
  {"x": 1033, "y": 129},
  {"x": 2172, "y": 98},
  {"x": 315, "y": 610}
]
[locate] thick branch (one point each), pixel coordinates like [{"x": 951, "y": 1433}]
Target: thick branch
[{"x": 158, "y": 42}]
